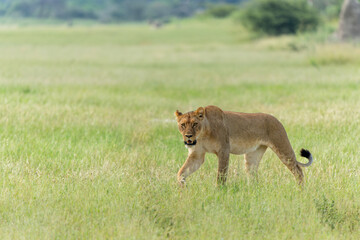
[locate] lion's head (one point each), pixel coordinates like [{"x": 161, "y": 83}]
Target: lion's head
[{"x": 190, "y": 125}]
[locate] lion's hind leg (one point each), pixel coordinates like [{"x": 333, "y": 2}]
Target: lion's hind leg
[
  {"x": 287, "y": 156},
  {"x": 252, "y": 160}
]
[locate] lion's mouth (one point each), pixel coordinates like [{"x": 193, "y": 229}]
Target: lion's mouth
[{"x": 189, "y": 142}]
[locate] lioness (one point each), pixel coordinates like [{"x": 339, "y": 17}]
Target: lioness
[{"x": 212, "y": 130}]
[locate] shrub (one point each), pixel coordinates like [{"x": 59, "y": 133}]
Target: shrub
[
  {"x": 158, "y": 10},
  {"x": 220, "y": 10},
  {"x": 275, "y": 17}
]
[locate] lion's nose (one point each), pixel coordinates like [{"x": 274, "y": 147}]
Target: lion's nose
[{"x": 188, "y": 135}]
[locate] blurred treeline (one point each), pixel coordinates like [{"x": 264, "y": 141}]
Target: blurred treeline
[
  {"x": 105, "y": 10},
  {"x": 134, "y": 10}
]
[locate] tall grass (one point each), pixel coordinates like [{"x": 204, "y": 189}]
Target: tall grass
[
  {"x": 90, "y": 150},
  {"x": 335, "y": 54}
]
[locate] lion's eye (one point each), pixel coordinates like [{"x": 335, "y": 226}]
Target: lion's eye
[
  {"x": 183, "y": 125},
  {"x": 195, "y": 124}
]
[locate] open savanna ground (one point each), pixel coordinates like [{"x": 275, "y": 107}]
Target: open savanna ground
[{"x": 90, "y": 148}]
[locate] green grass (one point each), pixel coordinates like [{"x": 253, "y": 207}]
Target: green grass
[{"x": 90, "y": 149}]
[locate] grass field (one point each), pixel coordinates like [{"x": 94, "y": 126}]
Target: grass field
[{"x": 90, "y": 149}]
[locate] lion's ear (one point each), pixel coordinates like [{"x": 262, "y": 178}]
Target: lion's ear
[
  {"x": 200, "y": 112},
  {"x": 177, "y": 113}
]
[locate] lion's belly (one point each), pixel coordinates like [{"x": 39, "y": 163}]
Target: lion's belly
[{"x": 239, "y": 147}]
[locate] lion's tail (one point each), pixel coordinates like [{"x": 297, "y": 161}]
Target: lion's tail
[{"x": 305, "y": 153}]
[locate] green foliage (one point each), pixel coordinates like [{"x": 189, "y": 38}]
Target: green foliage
[
  {"x": 108, "y": 10},
  {"x": 158, "y": 10},
  {"x": 275, "y": 17},
  {"x": 334, "y": 217},
  {"x": 329, "y": 8},
  {"x": 60, "y": 9},
  {"x": 329, "y": 213},
  {"x": 220, "y": 10}
]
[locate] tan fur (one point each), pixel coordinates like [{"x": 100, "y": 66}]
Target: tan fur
[{"x": 224, "y": 132}]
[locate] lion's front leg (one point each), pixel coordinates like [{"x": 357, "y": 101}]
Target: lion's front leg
[
  {"x": 193, "y": 162},
  {"x": 223, "y": 166}
]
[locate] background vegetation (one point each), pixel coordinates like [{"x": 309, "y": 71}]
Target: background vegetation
[
  {"x": 106, "y": 10},
  {"x": 130, "y": 10},
  {"x": 276, "y": 17}
]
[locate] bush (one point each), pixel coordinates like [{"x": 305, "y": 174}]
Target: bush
[
  {"x": 158, "y": 10},
  {"x": 220, "y": 10},
  {"x": 275, "y": 17},
  {"x": 77, "y": 13}
]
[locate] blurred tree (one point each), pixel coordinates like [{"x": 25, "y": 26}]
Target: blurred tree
[
  {"x": 158, "y": 10},
  {"x": 22, "y": 9},
  {"x": 330, "y": 8},
  {"x": 109, "y": 10},
  {"x": 220, "y": 10},
  {"x": 49, "y": 8},
  {"x": 275, "y": 17}
]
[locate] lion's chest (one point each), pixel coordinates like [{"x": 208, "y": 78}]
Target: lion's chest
[{"x": 211, "y": 146}]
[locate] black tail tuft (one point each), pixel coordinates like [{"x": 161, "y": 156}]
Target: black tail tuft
[{"x": 305, "y": 153}]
